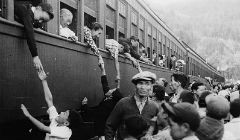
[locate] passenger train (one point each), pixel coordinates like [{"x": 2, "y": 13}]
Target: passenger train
[{"x": 74, "y": 73}]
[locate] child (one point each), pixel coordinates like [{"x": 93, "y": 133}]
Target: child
[
  {"x": 61, "y": 124},
  {"x": 115, "y": 48},
  {"x": 66, "y": 19}
]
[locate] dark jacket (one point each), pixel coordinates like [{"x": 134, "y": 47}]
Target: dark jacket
[
  {"x": 24, "y": 15},
  {"x": 133, "y": 51},
  {"x": 101, "y": 112},
  {"x": 127, "y": 107}
]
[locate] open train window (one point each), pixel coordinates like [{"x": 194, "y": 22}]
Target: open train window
[
  {"x": 121, "y": 35},
  {"x": 73, "y": 25},
  {"x": 88, "y": 20},
  {"x": 3, "y": 8},
  {"x": 109, "y": 33}
]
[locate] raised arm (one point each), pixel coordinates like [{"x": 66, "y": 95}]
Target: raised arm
[
  {"x": 47, "y": 93},
  {"x": 36, "y": 122}
]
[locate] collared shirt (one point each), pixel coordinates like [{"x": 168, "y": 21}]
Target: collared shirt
[
  {"x": 140, "y": 104},
  {"x": 66, "y": 32},
  {"x": 233, "y": 127}
]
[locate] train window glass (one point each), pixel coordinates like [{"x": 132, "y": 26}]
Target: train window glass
[
  {"x": 122, "y": 23},
  {"x": 109, "y": 33},
  {"x": 122, "y": 8},
  {"x": 141, "y": 36},
  {"x": 110, "y": 14},
  {"x": 160, "y": 48},
  {"x": 134, "y": 30},
  {"x": 154, "y": 56},
  {"x": 149, "y": 29},
  {"x": 141, "y": 23},
  {"x": 88, "y": 20},
  {"x": 134, "y": 17},
  {"x": 73, "y": 25},
  {"x": 154, "y": 33},
  {"x": 92, "y": 4},
  {"x": 111, "y": 3}
]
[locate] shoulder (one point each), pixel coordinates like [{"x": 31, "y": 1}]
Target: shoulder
[{"x": 61, "y": 132}]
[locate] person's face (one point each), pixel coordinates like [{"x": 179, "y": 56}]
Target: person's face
[
  {"x": 144, "y": 88},
  {"x": 215, "y": 90},
  {"x": 63, "y": 118},
  {"x": 66, "y": 20},
  {"x": 97, "y": 33},
  {"x": 173, "y": 58},
  {"x": 174, "y": 84},
  {"x": 177, "y": 131},
  {"x": 134, "y": 43},
  {"x": 120, "y": 48},
  {"x": 41, "y": 16},
  {"x": 200, "y": 90},
  {"x": 160, "y": 82}
]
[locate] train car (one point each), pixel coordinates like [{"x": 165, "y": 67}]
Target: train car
[{"x": 73, "y": 69}]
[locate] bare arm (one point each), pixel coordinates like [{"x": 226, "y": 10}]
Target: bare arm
[
  {"x": 36, "y": 122},
  {"x": 47, "y": 93},
  {"x": 134, "y": 62}
]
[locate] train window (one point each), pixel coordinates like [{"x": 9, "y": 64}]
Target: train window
[
  {"x": 134, "y": 30},
  {"x": 154, "y": 56},
  {"x": 110, "y": 14},
  {"x": 109, "y": 33},
  {"x": 122, "y": 24},
  {"x": 149, "y": 46},
  {"x": 73, "y": 25},
  {"x": 122, "y": 8},
  {"x": 3, "y": 10},
  {"x": 88, "y": 20},
  {"x": 92, "y": 4},
  {"x": 141, "y": 31},
  {"x": 121, "y": 35}
]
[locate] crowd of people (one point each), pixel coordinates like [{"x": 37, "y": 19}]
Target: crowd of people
[{"x": 191, "y": 112}]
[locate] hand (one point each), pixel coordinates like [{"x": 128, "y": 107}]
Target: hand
[
  {"x": 37, "y": 63},
  {"x": 74, "y": 38},
  {"x": 154, "y": 119},
  {"x": 146, "y": 60},
  {"x": 100, "y": 62},
  {"x": 135, "y": 63},
  {"x": 84, "y": 101},
  {"x": 25, "y": 111},
  {"x": 42, "y": 75}
]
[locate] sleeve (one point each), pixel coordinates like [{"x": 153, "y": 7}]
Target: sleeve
[
  {"x": 113, "y": 121},
  {"x": 52, "y": 111},
  {"x": 104, "y": 82},
  {"x": 134, "y": 54},
  {"x": 24, "y": 15},
  {"x": 61, "y": 132},
  {"x": 90, "y": 41}
]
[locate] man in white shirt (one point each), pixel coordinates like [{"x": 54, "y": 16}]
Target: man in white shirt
[
  {"x": 65, "y": 20},
  {"x": 234, "y": 125},
  {"x": 61, "y": 124}
]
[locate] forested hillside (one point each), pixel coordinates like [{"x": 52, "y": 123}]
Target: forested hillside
[{"x": 210, "y": 27}]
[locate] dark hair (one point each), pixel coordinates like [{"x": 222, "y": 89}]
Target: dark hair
[
  {"x": 215, "y": 86},
  {"x": 172, "y": 55},
  {"x": 202, "y": 102},
  {"x": 134, "y": 38},
  {"x": 136, "y": 126},
  {"x": 182, "y": 78},
  {"x": 196, "y": 85},
  {"x": 47, "y": 8},
  {"x": 96, "y": 26},
  {"x": 159, "y": 92},
  {"x": 75, "y": 119},
  {"x": 235, "y": 108},
  {"x": 160, "y": 56},
  {"x": 187, "y": 96}
]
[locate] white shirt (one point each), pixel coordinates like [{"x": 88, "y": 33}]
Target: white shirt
[
  {"x": 57, "y": 132},
  {"x": 66, "y": 32},
  {"x": 140, "y": 104},
  {"x": 233, "y": 127},
  {"x": 191, "y": 138}
]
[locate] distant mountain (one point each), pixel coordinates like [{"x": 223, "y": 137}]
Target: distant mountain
[{"x": 210, "y": 27}]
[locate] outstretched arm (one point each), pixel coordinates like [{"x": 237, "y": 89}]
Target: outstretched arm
[
  {"x": 36, "y": 122},
  {"x": 134, "y": 61},
  {"x": 116, "y": 63},
  {"x": 47, "y": 93}
]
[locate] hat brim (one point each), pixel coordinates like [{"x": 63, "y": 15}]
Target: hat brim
[
  {"x": 135, "y": 81},
  {"x": 168, "y": 108}
]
